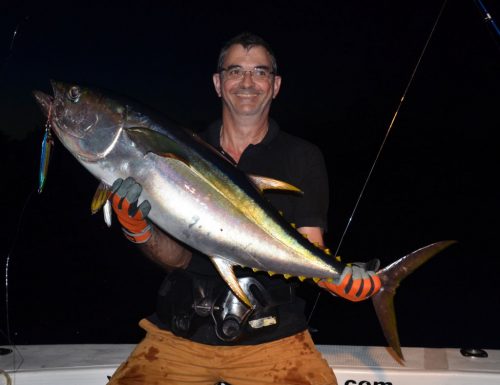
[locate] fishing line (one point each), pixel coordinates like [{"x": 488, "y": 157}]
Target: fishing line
[
  {"x": 7, "y": 333},
  {"x": 391, "y": 124},
  {"x": 47, "y": 144},
  {"x": 12, "y": 41},
  {"x": 15, "y": 351},
  {"x": 46, "y": 150}
]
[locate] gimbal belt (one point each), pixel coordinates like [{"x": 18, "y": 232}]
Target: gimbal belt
[{"x": 185, "y": 302}]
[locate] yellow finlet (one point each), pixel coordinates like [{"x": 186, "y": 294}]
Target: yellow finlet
[
  {"x": 287, "y": 276},
  {"x": 302, "y": 278}
]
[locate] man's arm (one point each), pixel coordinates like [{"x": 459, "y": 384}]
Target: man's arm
[
  {"x": 313, "y": 234},
  {"x": 153, "y": 242},
  {"x": 356, "y": 283},
  {"x": 165, "y": 250}
]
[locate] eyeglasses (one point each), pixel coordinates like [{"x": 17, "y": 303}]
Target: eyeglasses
[{"x": 257, "y": 73}]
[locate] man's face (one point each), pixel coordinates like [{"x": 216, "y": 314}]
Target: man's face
[{"x": 250, "y": 94}]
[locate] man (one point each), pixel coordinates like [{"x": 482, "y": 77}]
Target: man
[{"x": 201, "y": 333}]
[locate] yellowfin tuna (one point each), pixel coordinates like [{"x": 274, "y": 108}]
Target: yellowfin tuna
[{"x": 200, "y": 198}]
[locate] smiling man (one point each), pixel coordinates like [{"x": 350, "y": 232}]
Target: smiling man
[
  {"x": 247, "y": 82},
  {"x": 201, "y": 333}
]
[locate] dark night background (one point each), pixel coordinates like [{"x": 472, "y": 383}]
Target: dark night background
[{"x": 345, "y": 65}]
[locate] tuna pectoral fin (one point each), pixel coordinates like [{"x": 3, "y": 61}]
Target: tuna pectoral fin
[
  {"x": 101, "y": 199},
  {"x": 101, "y": 195},
  {"x": 390, "y": 277},
  {"x": 151, "y": 141},
  {"x": 225, "y": 269}
]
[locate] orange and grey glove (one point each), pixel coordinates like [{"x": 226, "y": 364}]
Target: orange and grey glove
[
  {"x": 133, "y": 218},
  {"x": 357, "y": 282}
]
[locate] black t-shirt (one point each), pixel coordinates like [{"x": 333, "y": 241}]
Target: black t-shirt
[{"x": 293, "y": 160}]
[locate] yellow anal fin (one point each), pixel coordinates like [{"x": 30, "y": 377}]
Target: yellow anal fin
[
  {"x": 225, "y": 269},
  {"x": 265, "y": 183},
  {"x": 101, "y": 195}
]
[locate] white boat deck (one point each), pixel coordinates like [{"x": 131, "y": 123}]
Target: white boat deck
[{"x": 353, "y": 365}]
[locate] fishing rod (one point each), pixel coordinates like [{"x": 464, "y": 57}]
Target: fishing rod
[
  {"x": 495, "y": 31},
  {"x": 388, "y": 131},
  {"x": 391, "y": 124},
  {"x": 488, "y": 19}
]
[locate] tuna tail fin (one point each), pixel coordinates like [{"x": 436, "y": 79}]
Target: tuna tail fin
[{"x": 390, "y": 277}]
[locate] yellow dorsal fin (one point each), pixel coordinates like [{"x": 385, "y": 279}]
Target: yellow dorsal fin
[{"x": 265, "y": 183}]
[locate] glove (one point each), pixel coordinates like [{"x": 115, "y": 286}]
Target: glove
[
  {"x": 125, "y": 194},
  {"x": 357, "y": 282}
]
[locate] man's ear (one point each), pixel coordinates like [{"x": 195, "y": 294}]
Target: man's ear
[
  {"x": 276, "y": 85},
  {"x": 217, "y": 83}
]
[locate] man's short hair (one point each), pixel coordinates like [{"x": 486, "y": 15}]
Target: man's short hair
[{"x": 247, "y": 40}]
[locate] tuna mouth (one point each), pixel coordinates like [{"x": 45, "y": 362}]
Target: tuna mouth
[{"x": 45, "y": 101}]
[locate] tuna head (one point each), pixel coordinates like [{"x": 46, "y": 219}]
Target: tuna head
[{"x": 86, "y": 122}]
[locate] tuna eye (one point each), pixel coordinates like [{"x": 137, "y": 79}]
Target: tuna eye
[{"x": 74, "y": 94}]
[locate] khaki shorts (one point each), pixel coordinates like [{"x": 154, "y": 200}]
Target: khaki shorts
[{"x": 161, "y": 358}]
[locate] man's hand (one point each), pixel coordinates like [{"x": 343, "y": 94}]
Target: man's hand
[
  {"x": 356, "y": 283},
  {"x": 125, "y": 194}
]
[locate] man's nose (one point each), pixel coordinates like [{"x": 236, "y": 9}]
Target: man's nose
[{"x": 247, "y": 78}]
